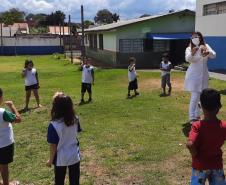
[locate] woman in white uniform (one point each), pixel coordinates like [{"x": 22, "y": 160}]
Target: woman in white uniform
[{"x": 196, "y": 79}]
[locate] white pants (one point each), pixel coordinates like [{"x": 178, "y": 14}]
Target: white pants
[{"x": 194, "y": 110}]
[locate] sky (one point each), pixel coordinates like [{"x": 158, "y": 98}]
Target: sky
[{"x": 127, "y": 9}]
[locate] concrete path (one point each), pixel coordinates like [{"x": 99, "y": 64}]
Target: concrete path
[{"x": 218, "y": 76}]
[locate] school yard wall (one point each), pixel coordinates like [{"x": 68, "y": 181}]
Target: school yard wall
[{"x": 30, "y": 45}]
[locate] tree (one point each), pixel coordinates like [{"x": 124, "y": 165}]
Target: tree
[
  {"x": 87, "y": 23},
  {"x": 115, "y": 17},
  {"x": 103, "y": 17},
  {"x": 55, "y": 18},
  {"x": 37, "y": 19},
  {"x": 11, "y": 16}
]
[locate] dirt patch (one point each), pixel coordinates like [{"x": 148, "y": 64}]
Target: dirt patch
[
  {"x": 177, "y": 168},
  {"x": 92, "y": 168},
  {"x": 100, "y": 175},
  {"x": 155, "y": 83}
]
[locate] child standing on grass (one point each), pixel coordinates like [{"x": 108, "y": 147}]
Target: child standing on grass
[
  {"x": 30, "y": 75},
  {"x": 62, "y": 137},
  {"x": 7, "y": 138},
  {"x": 166, "y": 67},
  {"x": 87, "y": 79},
  {"x": 132, "y": 75},
  {"x": 205, "y": 141}
]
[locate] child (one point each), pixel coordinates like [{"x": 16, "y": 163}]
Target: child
[
  {"x": 64, "y": 145},
  {"x": 87, "y": 79},
  {"x": 132, "y": 75},
  {"x": 30, "y": 75},
  {"x": 166, "y": 67},
  {"x": 7, "y": 138},
  {"x": 205, "y": 141}
]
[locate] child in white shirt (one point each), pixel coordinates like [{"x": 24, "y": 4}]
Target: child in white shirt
[
  {"x": 7, "y": 138},
  {"x": 165, "y": 67},
  {"x": 87, "y": 79},
  {"x": 30, "y": 76},
  {"x": 132, "y": 76},
  {"x": 62, "y": 137}
]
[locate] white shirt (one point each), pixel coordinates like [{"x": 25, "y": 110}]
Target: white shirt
[
  {"x": 166, "y": 66},
  {"x": 197, "y": 75},
  {"x": 132, "y": 74},
  {"x": 67, "y": 148},
  {"x": 87, "y": 74},
  {"x": 30, "y": 77},
  {"x": 6, "y": 131}
]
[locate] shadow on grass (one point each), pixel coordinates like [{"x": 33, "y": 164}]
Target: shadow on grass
[
  {"x": 83, "y": 103},
  {"x": 131, "y": 97},
  {"x": 222, "y": 92},
  {"x": 22, "y": 111},
  {"x": 164, "y": 95},
  {"x": 186, "y": 128}
]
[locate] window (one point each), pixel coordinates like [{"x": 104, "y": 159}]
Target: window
[
  {"x": 95, "y": 41},
  {"x": 131, "y": 45},
  {"x": 160, "y": 45},
  {"x": 222, "y": 8},
  {"x": 101, "y": 42},
  {"x": 215, "y": 8}
]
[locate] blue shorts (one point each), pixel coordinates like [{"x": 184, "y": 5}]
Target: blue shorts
[{"x": 215, "y": 177}]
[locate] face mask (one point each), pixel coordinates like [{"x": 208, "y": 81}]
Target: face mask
[{"x": 195, "y": 41}]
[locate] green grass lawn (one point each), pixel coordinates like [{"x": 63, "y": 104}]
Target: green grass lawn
[{"x": 124, "y": 141}]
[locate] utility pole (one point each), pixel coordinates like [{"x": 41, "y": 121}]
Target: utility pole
[
  {"x": 83, "y": 52},
  {"x": 1, "y": 40},
  {"x": 70, "y": 38},
  {"x": 60, "y": 35}
]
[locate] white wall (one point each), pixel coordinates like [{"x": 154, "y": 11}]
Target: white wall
[
  {"x": 210, "y": 25},
  {"x": 31, "y": 41},
  {"x": 109, "y": 41}
]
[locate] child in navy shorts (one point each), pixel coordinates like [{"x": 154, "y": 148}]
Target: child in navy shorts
[
  {"x": 7, "y": 138},
  {"x": 30, "y": 76}
]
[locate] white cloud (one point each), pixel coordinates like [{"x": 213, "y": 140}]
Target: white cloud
[{"x": 125, "y": 8}]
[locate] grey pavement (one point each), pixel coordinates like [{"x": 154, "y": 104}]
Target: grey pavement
[{"x": 218, "y": 76}]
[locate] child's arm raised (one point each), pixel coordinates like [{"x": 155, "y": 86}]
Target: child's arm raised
[
  {"x": 15, "y": 111},
  {"x": 53, "y": 149},
  {"x": 81, "y": 66},
  {"x": 24, "y": 71},
  {"x": 131, "y": 67}
]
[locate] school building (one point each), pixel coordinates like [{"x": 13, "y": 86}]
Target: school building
[
  {"x": 145, "y": 38},
  {"x": 211, "y": 22}
]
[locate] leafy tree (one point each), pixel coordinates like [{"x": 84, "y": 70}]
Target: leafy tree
[
  {"x": 37, "y": 19},
  {"x": 87, "y": 23},
  {"x": 115, "y": 17},
  {"x": 55, "y": 18},
  {"x": 11, "y": 16},
  {"x": 103, "y": 17}
]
